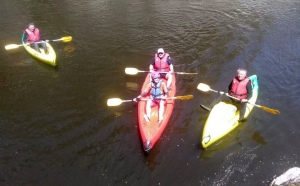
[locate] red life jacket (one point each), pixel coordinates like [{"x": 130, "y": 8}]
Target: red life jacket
[
  {"x": 33, "y": 36},
  {"x": 161, "y": 65},
  {"x": 239, "y": 88}
]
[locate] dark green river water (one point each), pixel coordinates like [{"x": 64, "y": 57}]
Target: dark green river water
[{"x": 56, "y": 128}]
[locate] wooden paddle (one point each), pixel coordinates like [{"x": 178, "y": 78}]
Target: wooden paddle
[
  {"x": 63, "y": 39},
  {"x": 203, "y": 87},
  {"x": 134, "y": 71},
  {"x": 118, "y": 101}
]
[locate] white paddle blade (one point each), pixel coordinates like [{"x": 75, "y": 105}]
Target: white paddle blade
[
  {"x": 203, "y": 87},
  {"x": 131, "y": 71},
  {"x": 12, "y": 46},
  {"x": 114, "y": 102}
]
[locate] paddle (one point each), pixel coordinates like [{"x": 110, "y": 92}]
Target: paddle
[
  {"x": 118, "y": 101},
  {"x": 203, "y": 87},
  {"x": 63, "y": 39},
  {"x": 134, "y": 71},
  {"x": 205, "y": 107}
]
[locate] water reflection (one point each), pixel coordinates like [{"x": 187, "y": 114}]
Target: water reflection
[
  {"x": 132, "y": 86},
  {"x": 69, "y": 48}
]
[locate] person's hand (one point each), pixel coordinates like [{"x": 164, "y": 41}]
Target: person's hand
[
  {"x": 244, "y": 100},
  {"x": 137, "y": 99}
]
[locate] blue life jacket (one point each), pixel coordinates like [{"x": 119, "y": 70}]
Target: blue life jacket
[{"x": 156, "y": 91}]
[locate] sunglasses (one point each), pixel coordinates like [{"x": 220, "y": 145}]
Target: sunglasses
[{"x": 160, "y": 53}]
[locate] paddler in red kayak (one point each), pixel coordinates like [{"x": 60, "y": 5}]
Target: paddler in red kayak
[
  {"x": 162, "y": 63},
  {"x": 158, "y": 90},
  {"x": 33, "y": 35}
]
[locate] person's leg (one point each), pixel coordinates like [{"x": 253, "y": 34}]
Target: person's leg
[
  {"x": 242, "y": 108},
  {"x": 148, "y": 110},
  {"x": 44, "y": 47},
  {"x": 36, "y": 46},
  {"x": 243, "y": 111},
  {"x": 161, "y": 111}
]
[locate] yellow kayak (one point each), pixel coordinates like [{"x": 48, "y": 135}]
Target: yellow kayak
[
  {"x": 49, "y": 58},
  {"x": 223, "y": 117}
]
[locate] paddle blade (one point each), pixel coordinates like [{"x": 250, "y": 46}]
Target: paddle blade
[
  {"x": 114, "y": 102},
  {"x": 203, "y": 87},
  {"x": 11, "y": 46},
  {"x": 272, "y": 111},
  {"x": 184, "y": 97},
  {"x": 66, "y": 39},
  {"x": 131, "y": 71}
]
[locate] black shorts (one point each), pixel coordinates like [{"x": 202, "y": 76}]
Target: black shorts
[{"x": 163, "y": 75}]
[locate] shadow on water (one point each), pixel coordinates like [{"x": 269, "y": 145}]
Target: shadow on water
[
  {"x": 258, "y": 138},
  {"x": 150, "y": 158}
]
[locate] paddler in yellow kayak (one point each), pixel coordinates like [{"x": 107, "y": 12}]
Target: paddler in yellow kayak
[
  {"x": 240, "y": 87},
  {"x": 33, "y": 36}
]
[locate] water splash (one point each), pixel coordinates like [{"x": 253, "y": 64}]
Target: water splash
[{"x": 235, "y": 162}]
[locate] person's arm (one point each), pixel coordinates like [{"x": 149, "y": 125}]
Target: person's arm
[
  {"x": 229, "y": 87},
  {"x": 146, "y": 91},
  {"x": 169, "y": 61},
  {"x": 42, "y": 37},
  {"x": 151, "y": 67},
  {"x": 249, "y": 90},
  {"x": 171, "y": 69},
  {"x": 25, "y": 37}
]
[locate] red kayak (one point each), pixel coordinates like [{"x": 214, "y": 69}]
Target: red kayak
[{"x": 151, "y": 131}]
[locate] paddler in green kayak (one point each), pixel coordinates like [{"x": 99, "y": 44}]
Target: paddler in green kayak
[{"x": 240, "y": 88}]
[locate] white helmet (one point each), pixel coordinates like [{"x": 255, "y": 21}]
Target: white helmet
[{"x": 160, "y": 50}]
